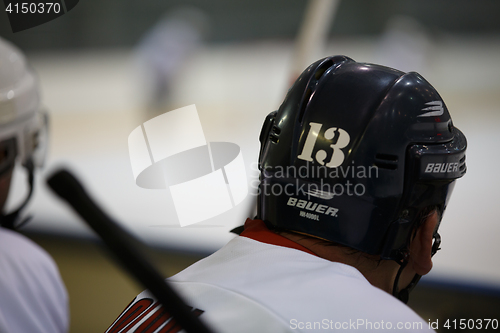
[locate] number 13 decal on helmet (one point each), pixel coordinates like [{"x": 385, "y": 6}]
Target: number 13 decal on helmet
[{"x": 338, "y": 156}]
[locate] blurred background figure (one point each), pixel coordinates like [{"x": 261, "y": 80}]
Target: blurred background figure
[
  {"x": 404, "y": 44},
  {"x": 32, "y": 295},
  {"x": 163, "y": 52}
]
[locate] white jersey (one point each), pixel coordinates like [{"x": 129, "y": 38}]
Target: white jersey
[
  {"x": 261, "y": 286},
  {"x": 33, "y": 298}
]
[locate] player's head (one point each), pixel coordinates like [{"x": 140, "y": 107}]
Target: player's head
[
  {"x": 356, "y": 154},
  {"x": 22, "y": 124}
]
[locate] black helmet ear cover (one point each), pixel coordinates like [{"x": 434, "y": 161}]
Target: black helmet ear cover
[
  {"x": 430, "y": 175},
  {"x": 266, "y": 131},
  {"x": 264, "y": 137}
]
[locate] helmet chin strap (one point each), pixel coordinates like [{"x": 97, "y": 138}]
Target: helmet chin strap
[
  {"x": 9, "y": 220},
  {"x": 404, "y": 294}
]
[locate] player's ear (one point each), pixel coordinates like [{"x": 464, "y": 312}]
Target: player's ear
[{"x": 421, "y": 246}]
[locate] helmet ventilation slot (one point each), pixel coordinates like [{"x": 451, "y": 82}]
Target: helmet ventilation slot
[
  {"x": 275, "y": 132},
  {"x": 312, "y": 86},
  {"x": 322, "y": 69},
  {"x": 386, "y": 161},
  {"x": 305, "y": 101}
]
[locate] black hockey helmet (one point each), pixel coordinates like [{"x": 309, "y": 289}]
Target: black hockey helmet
[{"x": 355, "y": 153}]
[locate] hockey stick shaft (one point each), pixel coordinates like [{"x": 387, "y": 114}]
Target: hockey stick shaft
[
  {"x": 313, "y": 33},
  {"x": 66, "y": 186}
]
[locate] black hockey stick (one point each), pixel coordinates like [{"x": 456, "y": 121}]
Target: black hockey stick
[{"x": 121, "y": 244}]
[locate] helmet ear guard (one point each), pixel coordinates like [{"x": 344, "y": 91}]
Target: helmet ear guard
[
  {"x": 265, "y": 132},
  {"x": 431, "y": 171},
  {"x": 265, "y": 135}
]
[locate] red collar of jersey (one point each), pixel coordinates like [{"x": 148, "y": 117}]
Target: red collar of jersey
[{"x": 257, "y": 230}]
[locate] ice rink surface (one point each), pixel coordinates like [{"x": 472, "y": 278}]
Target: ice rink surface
[{"x": 95, "y": 102}]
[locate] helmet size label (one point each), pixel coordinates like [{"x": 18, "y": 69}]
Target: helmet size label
[
  {"x": 309, "y": 215},
  {"x": 312, "y": 206}
]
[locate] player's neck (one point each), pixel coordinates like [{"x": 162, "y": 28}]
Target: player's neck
[{"x": 380, "y": 273}]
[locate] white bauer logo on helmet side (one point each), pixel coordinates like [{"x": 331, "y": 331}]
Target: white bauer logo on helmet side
[{"x": 441, "y": 167}]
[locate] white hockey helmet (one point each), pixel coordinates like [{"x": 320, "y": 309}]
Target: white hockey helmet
[{"x": 23, "y": 125}]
